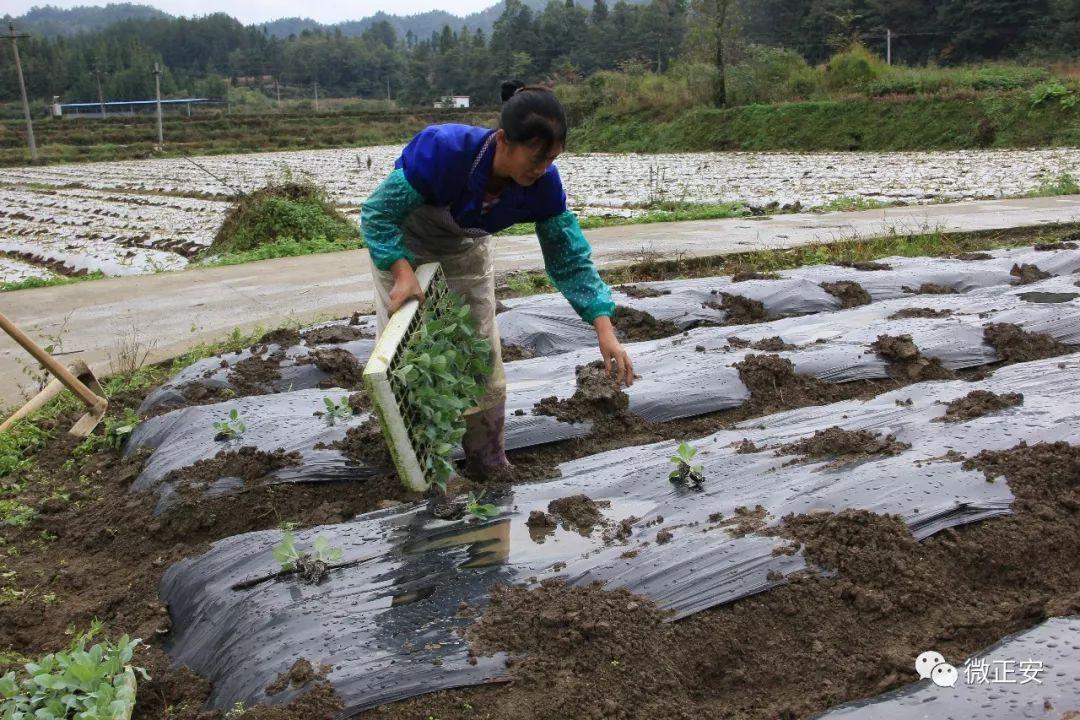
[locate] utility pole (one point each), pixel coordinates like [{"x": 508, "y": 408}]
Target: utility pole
[
  {"x": 157, "y": 94},
  {"x": 888, "y": 46},
  {"x": 100, "y": 96},
  {"x": 14, "y": 36},
  {"x": 277, "y": 91},
  {"x": 316, "y": 96},
  {"x": 388, "y": 88}
]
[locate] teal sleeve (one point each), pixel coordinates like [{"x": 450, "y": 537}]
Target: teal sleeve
[
  {"x": 568, "y": 260},
  {"x": 382, "y": 216}
]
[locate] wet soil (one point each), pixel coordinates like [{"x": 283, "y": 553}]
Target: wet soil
[
  {"x": 634, "y": 325},
  {"x": 774, "y": 384},
  {"x": 583, "y": 652},
  {"x": 848, "y": 292},
  {"x": 978, "y": 403},
  {"x": 638, "y": 292},
  {"x": 866, "y": 266},
  {"x": 334, "y": 334},
  {"x": 364, "y": 444},
  {"x": 247, "y": 463},
  {"x": 1054, "y": 246},
  {"x": 740, "y": 310},
  {"x": 256, "y": 375},
  {"x": 906, "y": 362},
  {"x": 597, "y": 397},
  {"x": 970, "y": 256},
  {"x": 1026, "y": 274},
  {"x": 1014, "y": 344},
  {"x": 930, "y": 289},
  {"x": 301, "y": 673},
  {"x": 919, "y": 313},
  {"x": 342, "y": 368},
  {"x": 753, "y": 275},
  {"x": 837, "y": 443},
  {"x": 285, "y": 337},
  {"x": 744, "y": 522},
  {"x": 772, "y": 344},
  {"x": 576, "y": 512},
  {"x": 510, "y": 353}
]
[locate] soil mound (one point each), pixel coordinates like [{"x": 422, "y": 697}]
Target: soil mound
[
  {"x": 978, "y": 403},
  {"x": 850, "y": 293},
  {"x": 906, "y": 361},
  {"x": 837, "y": 443},
  {"x": 634, "y": 325},
  {"x": 598, "y": 396},
  {"x": 1014, "y": 344},
  {"x": 774, "y": 384}
]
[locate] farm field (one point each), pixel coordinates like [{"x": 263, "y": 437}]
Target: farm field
[
  {"x": 872, "y": 438},
  {"x": 146, "y": 216}
]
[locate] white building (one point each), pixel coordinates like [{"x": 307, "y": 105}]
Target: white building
[{"x": 452, "y": 101}]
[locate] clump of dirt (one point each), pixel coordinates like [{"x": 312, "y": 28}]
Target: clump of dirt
[
  {"x": 1051, "y": 247},
  {"x": 753, "y": 275},
  {"x": 1014, "y": 344},
  {"x": 664, "y": 537},
  {"x": 978, "y": 403},
  {"x": 772, "y": 344},
  {"x": 638, "y": 292},
  {"x": 577, "y": 512},
  {"x": 510, "y": 353},
  {"x": 746, "y": 446},
  {"x": 860, "y": 545},
  {"x": 745, "y": 521},
  {"x": 919, "y": 313},
  {"x": 972, "y": 256},
  {"x": 321, "y": 702},
  {"x": 866, "y": 266},
  {"x": 930, "y": 289},
  {"x": 837, "y": 443},
  {"x": 598, "y": 396},
  {"x": 359, "y": 401},
  {"x": 1045, "y": 478},
  {"x": 301, "y": 673},
  {"x": 740, "y": 310},
  {"x": 342, "y": 368},
  {"x": 850, "y": 293},
  {"x": 774, "y": 384},
  {"x": 248, "y": 463},
  {"x": 906, "y": 361},
  {"x": 285, "y": 337},
  {"x": 256, "y": 375},
  {"x": 333, "y": 335},
  {"x": 634, "y": 325},
  {"x": 1026, "y": 274},
  {"x": 363, "y": 444}
]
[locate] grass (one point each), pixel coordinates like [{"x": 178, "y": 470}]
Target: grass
[
  {"x": 36, "y": 282},
  {"x": 850, "y": 203},
  {"x": 283, "y": 248},
  {"x": 1063, "y": 184},
  {"x": 929, "y": 243}
]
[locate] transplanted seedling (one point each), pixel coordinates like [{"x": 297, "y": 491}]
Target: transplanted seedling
[
  {"x": 479, "y": 509},
  {"x": 230, "y": 427},
  {"x": 684, "y": 471},
  {"x": 339, "y": 410},
  {"x": 312, "y": 568}
]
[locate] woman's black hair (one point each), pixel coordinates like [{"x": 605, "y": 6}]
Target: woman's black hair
[{"x": 530, "y": 113}]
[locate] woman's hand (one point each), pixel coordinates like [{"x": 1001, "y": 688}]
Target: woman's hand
[
  {"x": 616, "y": 360},
  {"x": 406, "y": 286}
]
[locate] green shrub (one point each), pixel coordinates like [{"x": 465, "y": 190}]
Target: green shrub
[
  {"x": 853, "y": 68},
  {"x": 769, "y": 75},
  {"x": 287, "y": 211}
]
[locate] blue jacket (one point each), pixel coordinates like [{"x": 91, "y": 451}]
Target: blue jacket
[{"x": 448, "y": 166}]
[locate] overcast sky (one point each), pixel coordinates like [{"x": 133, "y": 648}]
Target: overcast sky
[{"x": 252, "y": 11}]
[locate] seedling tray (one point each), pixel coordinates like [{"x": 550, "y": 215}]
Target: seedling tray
[{"x": 400, "y": 422}]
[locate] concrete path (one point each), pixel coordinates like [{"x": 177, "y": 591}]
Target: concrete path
[{"x": 165, "y": 314}]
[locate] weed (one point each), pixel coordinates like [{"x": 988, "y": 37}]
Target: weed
[
  {"x": 95, "y": 683},
  {"x": 231, "y": 427},
  {"x": 115, "y": 431},
  {"x": 479, "y": 509},
  {"x": 684, "y": 472},
  {"x": 13, "y": 512},
  {"x": 1063, "y": 184}
]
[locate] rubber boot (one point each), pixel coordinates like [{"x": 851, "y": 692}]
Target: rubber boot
[{"x": 484, "y": 442}]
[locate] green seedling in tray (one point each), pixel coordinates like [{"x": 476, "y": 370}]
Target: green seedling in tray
[
  {"x": 685, "y": 472},
  {"x": 427, "y": 369}
]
